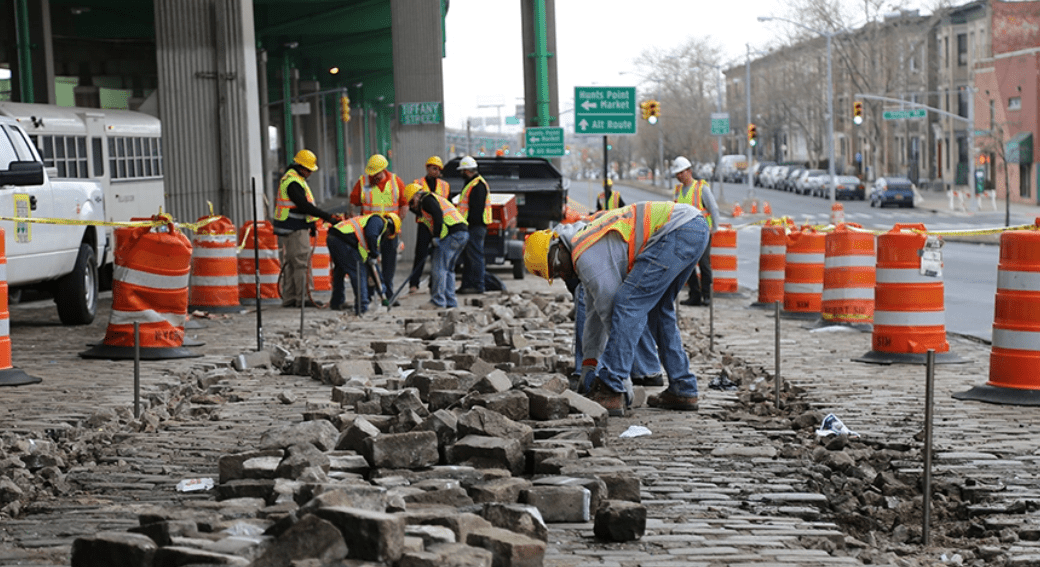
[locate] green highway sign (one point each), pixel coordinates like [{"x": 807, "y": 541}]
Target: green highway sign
[
  {"x": 719, "y": 123},
  {"x": 545, "y": 141},
  {"x": 411, "y": 113},
  {"x": 605, "y": 110},
  {"x": 901, "y": 114}
]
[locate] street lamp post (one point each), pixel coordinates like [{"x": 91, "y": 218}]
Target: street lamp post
[
  {"x": 830, "y": 95},
  {"x": 717, "y": 175},
  {"x": 747, "y": 93}
]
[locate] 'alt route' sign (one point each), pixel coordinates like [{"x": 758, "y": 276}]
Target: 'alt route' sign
[{"x": 604, "y": 110}]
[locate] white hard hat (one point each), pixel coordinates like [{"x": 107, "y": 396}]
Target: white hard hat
[
  {"x": 467, "y": 163},
  {"x": 680, "y": 164}
]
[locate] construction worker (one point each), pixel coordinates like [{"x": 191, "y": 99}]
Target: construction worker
[
  {"x": 697, "y": 192},
  {"x": 632, "y": 263},
  {"x": 450, "y": 234},
  {"x": 380, "y": 192},
  {"x": 609, "y": 199},
  {"x": 295, "y": 217},
  {"x": 475, "y": 205},
  {"x": 353, "y": 243},
  {"x": 433, "y": 184}
]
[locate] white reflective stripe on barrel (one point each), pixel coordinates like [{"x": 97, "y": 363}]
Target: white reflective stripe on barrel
[
  {"x": 796, "y": 258},
  {"x": 1018, "y": 281},
  {"x": 772, "y": 250},
  {"x": 319, "y": 272},
  {"x": 264, "y": 278},
  {"x": 321, "y": 251},
  {"x": 790, "y": 287},
  {"x": 214, "y": 281},
  {"x": 903, "y": 276},
  {"x": 146, "y": 316},
  {"x": 216, "y": 238},
  {"x": 770, "y": 275},
  {"x": 848, "y": 293},
  {"x": 857, "y": 261},
  {"x": 3, "y": 271},
  {"x": 5, "y": 327},
  {"x": 146, "y": 279},
  {"x": 265, "y": 253},
  {"x": 1017, "y": 340},
  {"x": 910, "y": 318},
  {"x": 198, "y": 252}
]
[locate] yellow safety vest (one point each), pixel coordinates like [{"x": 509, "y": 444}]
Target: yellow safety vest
[
  {"x": 615, "y": 200},
  {"x": 356, "y": 226},
  {"x": 451, "y": 216},
  {"x": 283, "y": 205},
  {"x": 694, "y": 198},
  {"x": 464, "y": 200},
  {"x": 635, "y": 223},
  {"x": 380, "y": 200},
  {"x": 442, "y": 189}
]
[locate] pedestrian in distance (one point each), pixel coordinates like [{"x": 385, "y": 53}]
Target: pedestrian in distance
[
  {"x": 450, "y": 234},
  {"x": 697, "y": 193},
  {"x": 632, "y": 263},
  {"x": 475, "y": 205},
  {"x": 295, "y": 221},
  {"x": 609, "y": 199},
  {"x": 354, "y": 246},
  {"x": 381, "y": 192},
  {"x": 432, "y": 183}
]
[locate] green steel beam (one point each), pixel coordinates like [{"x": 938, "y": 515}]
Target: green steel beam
[{"x": 25, "y": 78}]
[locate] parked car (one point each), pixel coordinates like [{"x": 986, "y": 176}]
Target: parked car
[
  {"x": 849, "y": 187},
  {"x": 898, "y": 191},
  {"x": 820, "y": 185},
  {"x": 787, "y": 182},
  {"x": 760, "y": 168},
  {"x": 802, "y": 184}
]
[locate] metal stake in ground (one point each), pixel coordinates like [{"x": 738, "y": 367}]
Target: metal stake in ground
[
  {"x": 776, "y": 353},
  {"x": 929, "y": 393},
  {"x": 256, "y": 275},
  {"x": 372, "y": 267},
  {"x": 400, "y": 288},
  {"x": 137, "y": 369},
  {"x": 711, "y": 322},
  {"x": 305, "y": 288}
]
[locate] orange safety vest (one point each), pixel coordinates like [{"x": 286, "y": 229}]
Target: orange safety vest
[
  {"x": 283, "y": 205},
  {"x": 694, "y": 198},
  {"x": 452, "y": 216},
  {"x": 355, "y": 225},
  {"x": 635, "y": 223},
  {"x": 380, "y": 200},
  {"x": 613, "y": 203},
  {"x": 442, "y": 189},
  {"x": 464, "y": 200}
]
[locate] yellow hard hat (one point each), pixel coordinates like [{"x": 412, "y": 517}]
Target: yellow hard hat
[
  {"x": 307, "y": 159},
  {"x": 376, "y": 163},
  {"x": 536, "y": 253},
  {"x": 610, "y": 182},
  {"x": 435, "y": 160},
  {"x": 397, "y": 222},
  {"x": 410, "y": 190}
]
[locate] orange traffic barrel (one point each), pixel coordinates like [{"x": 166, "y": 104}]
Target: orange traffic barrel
[
  {"x": 837, "y": 214},
  {"x": 848, "y": 277},
  {"x": 270, "y": 266},
  {"x": 724, "y": 261},
  {"x": 150, "y": 288},
  {"x": 213, "y": 285},
  {"x": 909, "y": 307},
  {"x": 803, "y": 273},
  {"x": 1014, "y": 360},
  {"x": 771, "y": 261},
  {"x": 9, "y": 375}
]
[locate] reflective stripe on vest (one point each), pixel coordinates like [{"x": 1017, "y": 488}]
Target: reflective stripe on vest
[
  {"x": 451, "y": 215},
  {"x": 694, "y": 198},
  {"x": 464, "y": 200},
  {"x": 355, "y": 226},
  {"x": 283, "y": 205},
  {"x": 613, "y": 203},
  {"x": 635, "y": 223},
  {"x": 380, "y": 200},
  {"x": 442, "y": 189}
]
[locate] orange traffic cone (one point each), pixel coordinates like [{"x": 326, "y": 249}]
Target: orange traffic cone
[
  {"x": 754, "y": 207},
  {"x": 9, "y": 375},
  {"x": 737, "y": 211},
  {"x": 766, "y": 209}
]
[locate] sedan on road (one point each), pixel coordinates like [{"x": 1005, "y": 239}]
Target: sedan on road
[
  {"x": 849, "y": 187},
  {"x": 898, "y": 191}
]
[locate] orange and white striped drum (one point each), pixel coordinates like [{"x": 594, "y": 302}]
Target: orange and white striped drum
[
  {"x": 848, "y": 277},
  {"x": 150, "y": 288},
  {"x": 803, "y": 273},
  {"x": 772, "y": 251},
  {"x": 270, "y": 266},
  {"x": 724, "y": 260},
  {"x": 321, "y": 262},
  {"x": 9, "y": 375},
  {"x": 1014, "y": 360},
  {"x": 214, "y": 267}
]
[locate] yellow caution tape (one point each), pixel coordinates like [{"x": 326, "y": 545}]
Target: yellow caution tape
[{"x": 159, "y": 220}]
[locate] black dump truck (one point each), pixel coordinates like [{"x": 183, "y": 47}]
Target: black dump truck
[{"x": 539, "y": 195}]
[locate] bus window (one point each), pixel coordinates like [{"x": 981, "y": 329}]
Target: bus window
[
  {"x": 81, "y": 156},
  {"x": 99, "y": 162}
]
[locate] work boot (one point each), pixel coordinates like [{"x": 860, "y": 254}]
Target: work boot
[
  {"x": 652, "y": 380},
  {"x": 671, "y": 401},
  {"x": 693, "y": 301},
  {"x": 613, "y": 402}
]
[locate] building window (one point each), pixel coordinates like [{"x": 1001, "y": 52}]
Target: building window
[
  {"x": 962, "y": 50},
  {"x": 1023, "y": 180},
  {"x": 992, "y": 114},
  {"x": 946, "y": 51},
  {"x": 962, "y": 102},
  {"x": 1015, "y": 103}
]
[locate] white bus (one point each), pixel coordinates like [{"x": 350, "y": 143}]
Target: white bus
[{"x": 120, "y": 148}]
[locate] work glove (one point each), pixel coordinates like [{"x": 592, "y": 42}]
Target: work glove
[
  {"x": 337, "y": 218},
  {"x": 587, "y": 374},
  {"x": 313, "y": 231}
]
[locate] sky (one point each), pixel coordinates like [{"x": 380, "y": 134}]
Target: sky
[{"x": 596, "y": 40}]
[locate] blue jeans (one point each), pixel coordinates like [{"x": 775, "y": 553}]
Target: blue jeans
[
  {"x": 473, "y": 268},
  {"x": 647, "y": 300},
  {"x": 646, "y": 363},
  {"x": 346, "y": 260},
  {"x": 444, "y": 257}
]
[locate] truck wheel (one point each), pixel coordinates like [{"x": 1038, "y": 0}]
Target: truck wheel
[
  {"x": 76, "y": 293},
  {"x": 518, "y": 270}
]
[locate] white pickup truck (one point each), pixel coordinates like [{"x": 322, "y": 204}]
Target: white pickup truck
[{"x": 61, "y": 259}]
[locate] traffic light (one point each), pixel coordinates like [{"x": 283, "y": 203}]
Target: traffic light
[
  {"x": 857, "y": 112},
  {"x": 752, "y": 135},
  {"x": 644, "y": 107},
  {"x": 344, "y": 108},
  {"x": 654, "y": 110}
]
